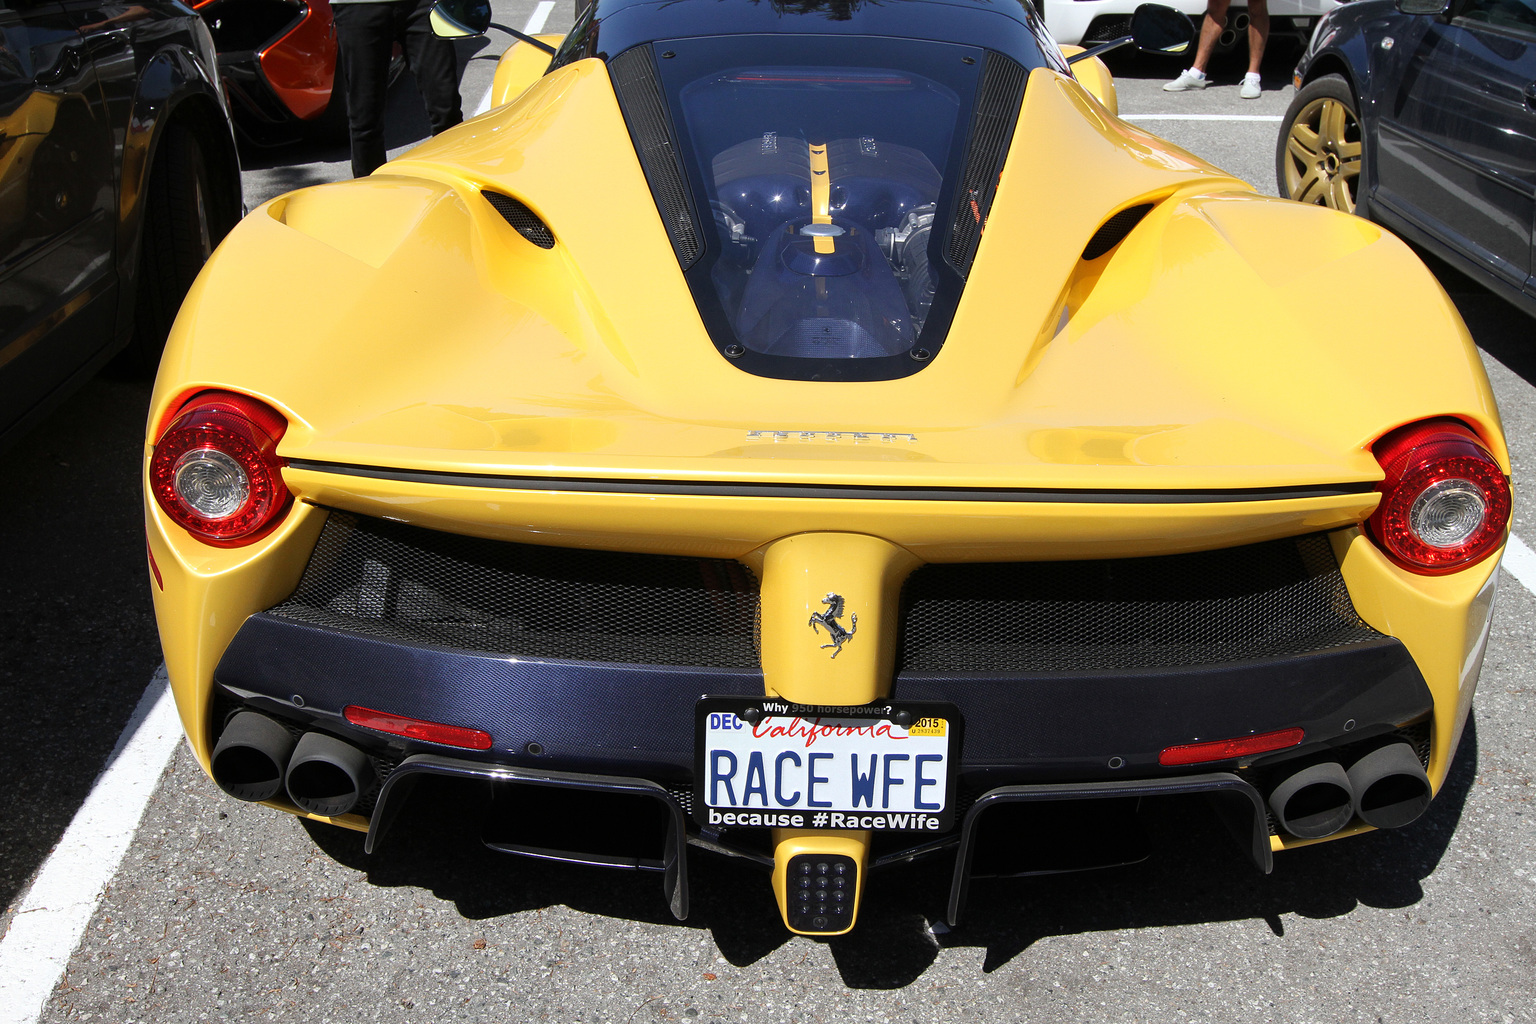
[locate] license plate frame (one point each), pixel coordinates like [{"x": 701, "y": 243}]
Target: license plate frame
[{"x": 760, "y": 714}]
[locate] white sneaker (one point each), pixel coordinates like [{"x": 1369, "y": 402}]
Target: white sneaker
[
  {"x": 1250, "y": 89},
  {"x": 1189, "y": 78}
]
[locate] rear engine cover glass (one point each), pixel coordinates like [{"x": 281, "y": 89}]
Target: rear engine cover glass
[{"x": 825, "y": 187}]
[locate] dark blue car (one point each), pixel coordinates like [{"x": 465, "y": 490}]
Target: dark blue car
[
  {"x": 118, "y": 175},
  {"x": 1421, "y": 115}
]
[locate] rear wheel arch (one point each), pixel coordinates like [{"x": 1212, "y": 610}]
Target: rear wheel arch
[
  {"x": 1320, "y": 155},
  {"x": 1332, "y": 64}
]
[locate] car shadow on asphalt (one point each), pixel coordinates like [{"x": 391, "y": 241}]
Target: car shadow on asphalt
[
  {"x": 76, "y": 624},
  {"x": 1194, "y": 876}
]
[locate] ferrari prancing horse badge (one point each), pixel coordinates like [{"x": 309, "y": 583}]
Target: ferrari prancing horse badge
[{"x": 835, "y": 630}]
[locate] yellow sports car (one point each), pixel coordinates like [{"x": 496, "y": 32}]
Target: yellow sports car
[{"x": 824, "y": 434}]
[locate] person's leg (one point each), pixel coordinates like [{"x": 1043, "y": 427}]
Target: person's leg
[
  {"x": 362, "y": 47},
  {"x": 1210, "y": 30},
  {"x": 434, "y": 63},
  {"x": 1258, "y": 32}
]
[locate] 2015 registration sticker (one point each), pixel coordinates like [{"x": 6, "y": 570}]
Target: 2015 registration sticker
[{"x": 771, "y": 764}]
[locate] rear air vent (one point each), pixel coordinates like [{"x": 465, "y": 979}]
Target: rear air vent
[
  {"x": 1276, "y": 599},
  {"x": 411, "y": 586},
  {"x": 524, "y": 220},
  {"x": 634, "y": 80},
  {"x": 1114, "y": 230},
  {"x": 997, "y": 109}
]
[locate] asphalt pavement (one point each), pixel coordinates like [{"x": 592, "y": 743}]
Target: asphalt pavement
[{"x": 226, "y": 911}]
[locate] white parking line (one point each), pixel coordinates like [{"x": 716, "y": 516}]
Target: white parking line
[
  {"x": 1520, "y": 562},
  {"x": 54, "y": 913},
  {"x": 1201, "y": 117},
  {"x": 535, "y": 25}
]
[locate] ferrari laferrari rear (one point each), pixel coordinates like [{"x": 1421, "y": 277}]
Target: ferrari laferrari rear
[{"x": 827, "y": 441}]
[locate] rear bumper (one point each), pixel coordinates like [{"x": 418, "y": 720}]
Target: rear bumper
[
  {"x": 610, "y": 747},
  {"x": 627, "y": 719}
]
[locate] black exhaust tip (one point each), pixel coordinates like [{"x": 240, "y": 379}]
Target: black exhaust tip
[
  {"x": 1391, "y": 789},
  {"x": 327, "y": 776},
  {"x": 1315, "y": 802},
  {"x": 251, "y": 756}
]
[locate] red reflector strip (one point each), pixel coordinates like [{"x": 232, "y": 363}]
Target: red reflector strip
[
  {"x": 1225, "y": 750},
  {"x": 416, "y": 729},
  {"x": 153, "y": 567}
]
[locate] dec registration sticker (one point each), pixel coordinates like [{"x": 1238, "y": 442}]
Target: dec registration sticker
[{"x": 771, "y": 764}]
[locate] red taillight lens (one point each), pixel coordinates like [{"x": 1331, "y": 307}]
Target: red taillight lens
[
  {"x": 1226, "y": 750},
  {"x": 418, "y": 729},
  {"x": 1444, "y": 502},
  {"x": 215, "y": 470}
]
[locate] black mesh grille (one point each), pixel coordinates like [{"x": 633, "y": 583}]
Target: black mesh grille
[
  {"x": 1107, "y": 27},
  {"x": 634, "y": 80},
  {"x": 1277, "y": 599},
  {"x": 1114, "y": 230},
  {"x": 1002, "y": 90},
  {"x": 419, "y": 586},
  {"x": 524, "y": 220}
]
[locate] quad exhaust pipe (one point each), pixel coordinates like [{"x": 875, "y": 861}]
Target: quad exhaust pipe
[
  {"x": 1387, "y": 788},
  {"x": 257, "y": 758},
  {"x": 327, "y": 776},
  {"x": 1315, "y": 802},
  {"x": 251, "y": 756},
  {"x": 1390, "y": 786}
]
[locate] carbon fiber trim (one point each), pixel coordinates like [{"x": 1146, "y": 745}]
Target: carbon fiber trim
[
  {"x": 639, "y": 719},
  {"x": 997, "y": 110},
  {"x": 522, "y": 219},
  {"x": 1109, "y": 724},
  {"x": 634, "y": 82}
]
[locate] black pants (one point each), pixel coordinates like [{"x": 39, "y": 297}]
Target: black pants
[{"x": 365, "y": 38}]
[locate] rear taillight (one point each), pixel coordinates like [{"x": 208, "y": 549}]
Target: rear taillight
[
  {"x": 215, "y": 470},
  {"x": 1444, "y": 502}
]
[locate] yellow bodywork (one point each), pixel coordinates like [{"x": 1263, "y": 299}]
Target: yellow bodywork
[
  {"x": 1094, "y": 76},
  {"x": 840, "y": 842},
  {"x": 519, "y": 67},
  {"x": 398, "y": 321}
]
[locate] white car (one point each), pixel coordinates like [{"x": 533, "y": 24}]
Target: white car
[{"x": 1088, "y": 22}]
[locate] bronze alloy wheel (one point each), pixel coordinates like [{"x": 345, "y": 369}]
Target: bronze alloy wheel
[{"x": 1320, "y": 156}]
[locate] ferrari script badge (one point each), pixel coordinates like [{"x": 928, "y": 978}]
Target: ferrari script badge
[{"x": 828, "y": 621}]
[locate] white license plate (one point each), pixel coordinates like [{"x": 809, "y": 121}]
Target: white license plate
[{"x": 768, "y": 764}]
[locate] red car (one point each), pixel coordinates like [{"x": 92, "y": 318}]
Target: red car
[{"x": 278, "y": 62}]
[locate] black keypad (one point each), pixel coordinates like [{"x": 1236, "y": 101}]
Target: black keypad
[{"x": 821, "y": 888}]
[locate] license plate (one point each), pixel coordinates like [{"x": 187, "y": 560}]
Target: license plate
[{"x": 765, "y": 763}]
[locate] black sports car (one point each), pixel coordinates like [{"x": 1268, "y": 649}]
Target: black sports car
[
  {"x": 117, "y": 177},
  {"x": 1421, "y": 115}
]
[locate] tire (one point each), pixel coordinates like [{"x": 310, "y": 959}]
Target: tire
[
  {"x": 1320, "y": 156},
  {"x": 182, "y": 224}
]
